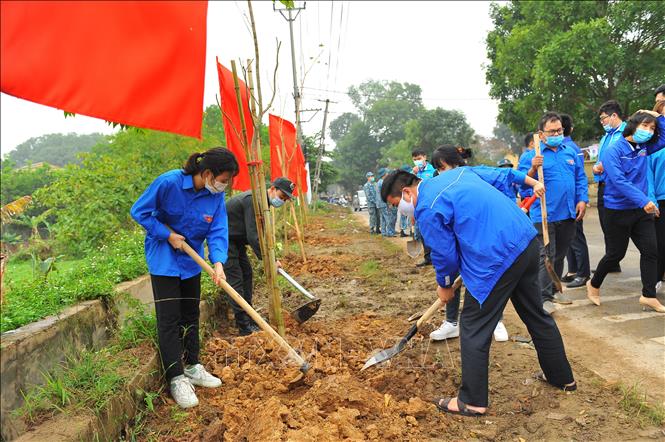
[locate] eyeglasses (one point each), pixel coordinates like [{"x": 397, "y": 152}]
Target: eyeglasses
[
  {"x": 603, "y": 118},
  {"x": 553, "y": 132}
]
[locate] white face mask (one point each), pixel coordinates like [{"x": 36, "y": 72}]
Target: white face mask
[
  {"x": 406, "y": 208},
  {"x": 215, "y": 188}
]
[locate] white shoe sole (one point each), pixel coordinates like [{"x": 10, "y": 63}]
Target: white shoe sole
[
  {"x": 200, "y": 383},
  {"x": 437, "y": 338}
]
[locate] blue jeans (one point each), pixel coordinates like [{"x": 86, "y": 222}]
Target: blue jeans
[{"x": 404, "y": 223}]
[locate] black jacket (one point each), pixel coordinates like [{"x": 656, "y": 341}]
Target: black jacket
[{"x": 242, "y": 223}]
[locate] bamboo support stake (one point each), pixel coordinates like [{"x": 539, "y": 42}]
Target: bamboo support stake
[{"x": 275, "y": 296}]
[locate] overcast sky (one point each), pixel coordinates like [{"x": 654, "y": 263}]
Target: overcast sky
[{"x": 437, "y": 45}]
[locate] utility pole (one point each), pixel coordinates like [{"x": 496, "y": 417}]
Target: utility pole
[
  {"x": 296, "y": 93},
  {"x": 319, "y": 155}
]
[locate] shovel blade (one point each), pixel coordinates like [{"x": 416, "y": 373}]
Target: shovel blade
[
  {"x": 414, "y": 248},
  {"x": 388, "y": 353},
  {"x": 306, "y": 311},
  {"x": 553, "y": 276}
]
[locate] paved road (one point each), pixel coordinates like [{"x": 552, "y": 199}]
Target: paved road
[{"x": 617, "y": 340}]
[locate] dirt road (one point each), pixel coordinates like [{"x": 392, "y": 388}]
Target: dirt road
[{"x": 369, "y": 287}]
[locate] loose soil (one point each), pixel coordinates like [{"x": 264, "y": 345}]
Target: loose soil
[{"x": 369, "y": 287}]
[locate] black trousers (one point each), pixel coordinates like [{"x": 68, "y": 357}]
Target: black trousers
[
  {"x": 660, "y": 240},
  {"x": 601, "y": 207},
  {"x": 519, "y": 284},
  {"x": 239, "y": 275},
  {"x": 561, "y": 235},
  {"x": 578, "y": 253},
  {"x": 638, "y": 226},
  {"x": 177, "y": 309}
]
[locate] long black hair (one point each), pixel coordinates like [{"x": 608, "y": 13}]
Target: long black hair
[
  {"x": 448, "y": 154},
  {"x": 638, "y": 118},
  {"x": 217, "y": 160}
]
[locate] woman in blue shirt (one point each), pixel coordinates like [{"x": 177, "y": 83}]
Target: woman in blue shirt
[
  {"x": 629, "y": 213},
  {"x": 191, "y": 202}
]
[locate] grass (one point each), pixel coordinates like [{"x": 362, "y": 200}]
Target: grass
[
  {"x": 28, "y": 299},
  {"x": 369, "y": 268},
  {"x": 634, "y": 402},
  {"x": 91, "y": 378},
  {"x": 20, "y": 272},
  {"x": 87, "y": 381}
]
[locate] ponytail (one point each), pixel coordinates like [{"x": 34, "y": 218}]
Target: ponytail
[
  {"x": 218, "y": 160},
  {"x": 448, "y": 154}
]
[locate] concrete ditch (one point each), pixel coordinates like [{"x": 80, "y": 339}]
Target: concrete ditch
[{"x": 43, "y": 346}]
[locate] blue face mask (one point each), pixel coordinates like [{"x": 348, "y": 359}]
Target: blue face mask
[
  {"x": 642, "y": 136},
  {"x": 554, "y": 141},
  {"x": 608, "y": 128},
  {"x": 419, "y": 163},
  {"x": 276, "y": 202}
]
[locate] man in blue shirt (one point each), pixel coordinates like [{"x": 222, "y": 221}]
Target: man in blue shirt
[
  {"x": 372, "y": 199},
  {"x": 567, "y": 197},
  {"x": 611, "y": 118},
  {"x": 423, "y": 170},
  {"x": 579, "y": 268},
  {"x": 482, "y": 235}
]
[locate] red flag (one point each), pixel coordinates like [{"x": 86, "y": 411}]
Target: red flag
[
  {"x": 232, "y": 125},
  {"x": 303, "y": 171},
  {"x": 285, "y": 160},
  {"x": 139, "y": 63}
]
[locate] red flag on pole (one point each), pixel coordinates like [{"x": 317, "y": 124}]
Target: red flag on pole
[
  {"x": 139, "y": 63},
  {"x": 285, "y": 156},
  {"x": 303, "y": 171},
  {"x": 232, "y": 125}
]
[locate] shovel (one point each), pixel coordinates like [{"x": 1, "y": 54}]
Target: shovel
[
  {"x": 546, "y": 234},
  {"x": 304, "y": 366},
  {"x": 388, "y": 353},
  {"x": 414, "y": 248},
  {"x": 307, "y": 310}
]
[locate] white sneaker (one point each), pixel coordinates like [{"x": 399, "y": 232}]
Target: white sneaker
[
  {"x": 500, "y": 332},
  {"x": 182, "y": 392},
  {"x": 199, "y": 376},
  {"x": 659, "y": 286},
  {"x": 446, "y": 331}
]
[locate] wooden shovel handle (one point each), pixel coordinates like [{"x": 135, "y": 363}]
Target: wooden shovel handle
[
  {"x": 543, "y": 203},
  {"x": 246, "y": 307},
  {"x": 437, "y": 305}
]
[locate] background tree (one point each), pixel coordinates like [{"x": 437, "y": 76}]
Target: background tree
[
  {"x": 571, "y": 56},
  {"x": 514, "y": 141},
  {"x": 57, "y": 149}
]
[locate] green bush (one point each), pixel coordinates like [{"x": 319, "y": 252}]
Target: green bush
[{"x": 95, "y": 276}]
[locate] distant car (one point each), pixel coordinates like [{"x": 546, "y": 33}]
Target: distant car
[{"x": 359, "y": 201}]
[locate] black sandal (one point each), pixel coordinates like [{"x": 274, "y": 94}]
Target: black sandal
[
  {"x": 463, "y": 409},
  {"x": 540, "y": 376}
]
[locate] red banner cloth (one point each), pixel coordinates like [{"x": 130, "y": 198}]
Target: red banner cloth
[
  {"x": 139, "y": 63},
  {"x": 232, "y": 125},
  {"x": 286, "y": 159}
]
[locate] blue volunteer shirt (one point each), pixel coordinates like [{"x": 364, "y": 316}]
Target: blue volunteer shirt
[
  {"x": 609, "y": 138},
  {"x": 656, "y": 176},
  {"x": 426, "y": 172},
  {"x": 565, "y": 182},
  {"x": 505, "y": 180},
  {"x": 197, "y": 215},
  {"x": 524, "y": 163},
  {"x": 627, "y": 169},
  {"x": 471, "y": 227}
]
